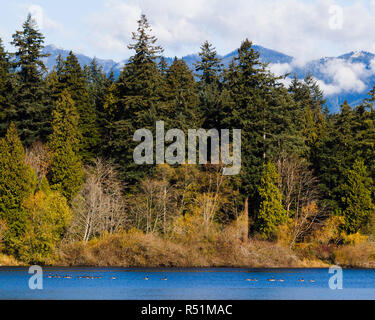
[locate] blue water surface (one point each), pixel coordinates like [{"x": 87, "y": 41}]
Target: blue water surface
[{"x": 189, "y": 284}]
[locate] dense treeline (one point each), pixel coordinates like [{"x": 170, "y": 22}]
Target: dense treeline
[{"x": 67, "y": 174}]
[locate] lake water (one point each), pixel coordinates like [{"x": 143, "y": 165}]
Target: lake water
[{"x": 185, "y": 284}]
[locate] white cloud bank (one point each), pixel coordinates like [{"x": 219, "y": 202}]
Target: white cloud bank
[
  {"x": 341, "y": 75},
  {"x": 346, "y": 76},
  {"x": 301, "y": 29}
]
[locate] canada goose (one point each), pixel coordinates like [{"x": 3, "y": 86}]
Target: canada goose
[{"x": 249, "y": 279}]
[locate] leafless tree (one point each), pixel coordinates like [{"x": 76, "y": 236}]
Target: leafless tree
[
  {"x": 38, "y": 157},
  {"x": 300, "y": 195},
  {"x": 100, "y": 206},
  {"x": 154, "y": 206}
]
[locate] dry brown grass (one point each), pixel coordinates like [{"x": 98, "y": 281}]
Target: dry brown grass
[
  {"x": 208, "y": 248},
  {"x": 361, "y": 255},
  {"x": 8, "y": 261}
]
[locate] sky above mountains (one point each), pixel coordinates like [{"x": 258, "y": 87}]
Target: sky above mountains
[{"x": 304, "y": 29}]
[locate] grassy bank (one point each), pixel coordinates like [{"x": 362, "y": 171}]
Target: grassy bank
[{"x": 191, "y": 243}]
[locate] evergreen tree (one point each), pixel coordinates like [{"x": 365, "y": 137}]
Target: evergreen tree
[
  {"x": 98, "y": 84},
  {"x": 7, "y": 109},
  {"x": 259, "y": 106},
  {"x": 33, "y": 112},
  {"x": 182, "y": 97},
  {"x": 210, "y": 66},
  {"x": 209, "y": 70},
  {"x": 271, "y": 212},
  {"x": 17, "y": 181},
  {"x": 336, "y": 153},
  {"x": 163, "y": 66},
  {"x": 134, "y": 102},
  {"x": 66, "y": 171},
  {"x": 356, "y": 203},
  {"x": 365, "y": 134},
  {"x": 312, "y": 116},
  {"x": 72, "y": 78}
]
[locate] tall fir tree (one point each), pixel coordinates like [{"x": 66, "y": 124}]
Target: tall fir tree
[
  {"x": 33, "y": 111},
  {"x": 209, "y": 70},
  {"x": 66, "y": 170},
  {"x": 7, "y": 90},
  {"x": 258, "y": 105},
  {"x": 356, "y": 203},
  {"x": 312, "y": 121},
  {"x": 182, "y": 97},
  {"x": 72, "y": 78},
  {"x": 134, "y": 102},
  {"x": 98, "y": 84},
  {"x": 17, "y": 181},
  {"x": 335, "y": 154}
]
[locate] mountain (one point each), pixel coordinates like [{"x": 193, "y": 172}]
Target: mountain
[
  {"x": 54, "y": 52},
  {"x": 346, "y": 77}
]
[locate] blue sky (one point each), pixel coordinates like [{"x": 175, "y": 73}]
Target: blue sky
[{"x": 305, "y": 29}]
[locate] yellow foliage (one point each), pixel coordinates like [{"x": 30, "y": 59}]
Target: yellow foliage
[
  {"x": 354, "y": 239},
  {"x": 329, "y": 232},
  {"x": 284, "y": 234},
  {"x": 48, "y": 216}
]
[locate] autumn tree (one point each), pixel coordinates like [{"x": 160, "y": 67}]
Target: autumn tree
[{"x": 48, "y": 216}]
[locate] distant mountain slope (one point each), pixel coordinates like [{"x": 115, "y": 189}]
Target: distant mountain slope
[
  {"x": 54, "y": 52},
  {"x": 346, "y": 77}
]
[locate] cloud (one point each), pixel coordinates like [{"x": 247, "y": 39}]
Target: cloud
[
  {"x": 342, "y": 75},
  {"x": 280, "y": 69},
  {"x": 42, "y": 20},
  {"x": 299, "y": 28},
  {"x": 302, "y": 29}
]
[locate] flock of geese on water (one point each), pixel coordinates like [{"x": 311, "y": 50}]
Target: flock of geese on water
[
  {"x": 272, "y": 279},
  {"x": 56, "y": 276}
]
